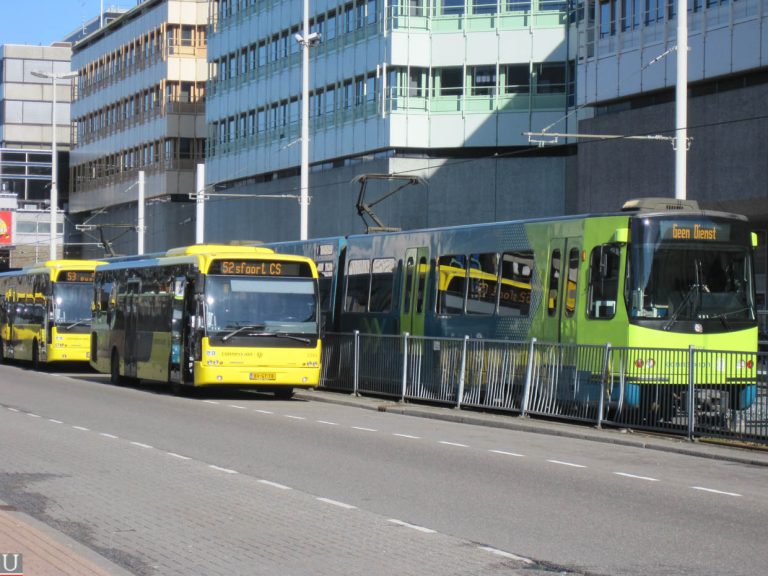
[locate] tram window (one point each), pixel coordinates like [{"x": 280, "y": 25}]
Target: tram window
[
  {"x": 483, "y": 282},
  {"x": 573, "y": 277},
  {"x": 422, "y": 285},
  {"x": 358, "y": 285},
  {"x": 603, "y": 282},
  {"x": 381, "y": 284},
  {"x": 554, "y": 282},
  {"x": 516, "y": 272},
  {"x": 452, "y": 272},
  {"x": 409, "y": 265}
]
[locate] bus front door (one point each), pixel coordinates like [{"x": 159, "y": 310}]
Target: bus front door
[
  {"x": 178, "y": 324},
  {"x": 413, "y": 301}
]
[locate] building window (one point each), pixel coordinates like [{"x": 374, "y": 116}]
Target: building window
[
  {"x": 451, "y": 81},
  {"x": 484, "y": 80}
]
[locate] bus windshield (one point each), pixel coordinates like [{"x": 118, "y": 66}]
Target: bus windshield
[
  {"x": 690, "y": 270},
  {"x": 72, "y": 304},
  {"x": 278, "y": 305}
]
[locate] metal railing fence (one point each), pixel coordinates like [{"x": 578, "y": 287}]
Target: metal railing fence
[{"x": 687, "y": 392}]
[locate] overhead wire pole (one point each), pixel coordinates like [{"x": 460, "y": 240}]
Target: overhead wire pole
[
  {"x": 304, "y": 179},
  {"x": 681, "y": 103},
  {"x": 200, "y": 205},
  {"x": 140, "y": 218}
]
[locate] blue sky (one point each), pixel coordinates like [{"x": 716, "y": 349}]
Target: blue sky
[{"x": 42, "y": 22}]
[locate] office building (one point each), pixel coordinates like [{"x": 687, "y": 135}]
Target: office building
[
  {"x": 439, "y": 91},
  {"x": 26, "y": 136},
  {"x": 139, "y": 107}
]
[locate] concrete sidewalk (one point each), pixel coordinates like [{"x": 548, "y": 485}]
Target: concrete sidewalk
[
  {"x": 48, "y": 552},
  {"x": 756, "y": 456}
]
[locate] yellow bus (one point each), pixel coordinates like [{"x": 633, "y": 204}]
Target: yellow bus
[
  {"x": 45, "y": 312},
  {"x": 209, "y": 315}
]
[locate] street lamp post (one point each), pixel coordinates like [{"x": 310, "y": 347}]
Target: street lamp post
[
  {"x": 54, "y": 158},
  {"x": 307, "y": 40}
]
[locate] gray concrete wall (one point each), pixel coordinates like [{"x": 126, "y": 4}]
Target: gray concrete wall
[
  {"x": 466, "y": 191},
  {"x": 727, "y": 161}
]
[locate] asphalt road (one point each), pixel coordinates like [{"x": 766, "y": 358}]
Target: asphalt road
[{"x": 239, "y": 483}]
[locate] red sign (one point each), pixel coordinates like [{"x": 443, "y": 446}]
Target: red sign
[{"x": 6, "y": 227}]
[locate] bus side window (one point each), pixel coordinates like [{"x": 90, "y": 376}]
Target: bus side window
[
  {"x": 516, "y": 273},
  {"x": 483, "y": 282},
  {"x": 421, "y": 290},
  {"x": 358, "y": 285},
  {"x": 451, "y": 283},
  {"x": 572, "y": 282},
  {"x": 382, "y": 276},
  {"x": 554, "y": 282},
  {"x": 603, "y": 281}
]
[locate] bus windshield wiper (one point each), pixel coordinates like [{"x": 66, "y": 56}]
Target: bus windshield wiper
[
  {"x": 240, "y": 329},
  {"x": 77, "y": 323},
  {"x": 284, "y": 335},
  {"x": 683, "y": 303}
]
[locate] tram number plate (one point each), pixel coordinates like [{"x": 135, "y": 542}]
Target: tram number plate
[{"x": 268, "y": 376}]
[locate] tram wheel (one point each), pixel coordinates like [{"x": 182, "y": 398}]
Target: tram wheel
[{"x": 35, "y": 357}]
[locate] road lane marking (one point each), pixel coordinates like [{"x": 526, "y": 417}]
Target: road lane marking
[
  {"x": 140, "y": 445},
  {"x": 326, "y": 422},
  {"x": 32, "y": 415},
  {"x": 220, "y": 469},
  {"x": 407, "y": 436},
  {"x": 337, "y": 503},
  {"x": 238, "y": 407},
  {"x": 275, "y": 485},
  {"x": 14, "y": 409},
  {"x": 364, "y": 429},
  {"x": 453, "y": 444},
  {"x": 713, "y": 491},
  {"x": 506, "y": 554},
  {"x": 571, "y": 464},
  {"x": 55, "y": 421},
  {"x": 179, "y": 456},
  {"x": 112, "y": 436},
  {"x": 81, "y": 428},
  {"x": 626, "y": 475},
  {"x": 210, "y": 401},
  {"x": 505, "y": 453},
  {"x": 295, "y": 417},
  {"x": 263, "y": 411},
  {"x": 412, "y": 526}
]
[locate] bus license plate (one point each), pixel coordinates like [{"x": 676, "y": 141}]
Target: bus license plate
[{"x": 263, "y": 376}]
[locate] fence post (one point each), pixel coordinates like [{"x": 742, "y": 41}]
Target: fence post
[
  {"x": 691, "y": 395},
  {"x": 460, "y": 395},
  {"x": 355, "y": 362},
  {"x": 405, "y": 365},
  {"x": 603, "y": 378},
  {"x": 528, "y": 378}
]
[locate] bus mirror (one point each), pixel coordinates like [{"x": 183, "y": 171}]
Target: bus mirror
[
  {"x": 621, "y": 235},
  {"x": 754, "y": 240}
]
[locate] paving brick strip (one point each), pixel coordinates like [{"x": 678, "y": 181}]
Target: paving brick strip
[{"x": 45, "y": 551}]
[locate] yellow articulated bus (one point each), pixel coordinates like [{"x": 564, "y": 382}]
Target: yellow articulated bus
[
  {"x": 45, "y": 312},
  {"x": 209, "y": 315}
]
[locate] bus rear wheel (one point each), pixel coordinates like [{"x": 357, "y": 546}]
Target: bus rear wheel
[{"x": 114, "y": 370}]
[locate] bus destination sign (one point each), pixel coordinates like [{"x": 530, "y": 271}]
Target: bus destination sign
[
  {"x": 260, "y": 268},
  {"x": 697, "y": 231},
  {"x": 76, "y": 276}
]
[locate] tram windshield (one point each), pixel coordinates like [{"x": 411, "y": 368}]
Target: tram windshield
[
  {"x": 245, "y": 306},
  {"x": 72, "y": 304},
  {"x": 691, "y": 269}
]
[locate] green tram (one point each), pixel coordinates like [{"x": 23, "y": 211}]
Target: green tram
[{"x": 660, "y": 274}]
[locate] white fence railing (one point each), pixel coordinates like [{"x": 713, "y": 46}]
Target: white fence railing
[{"x": 687, "y": 392}]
